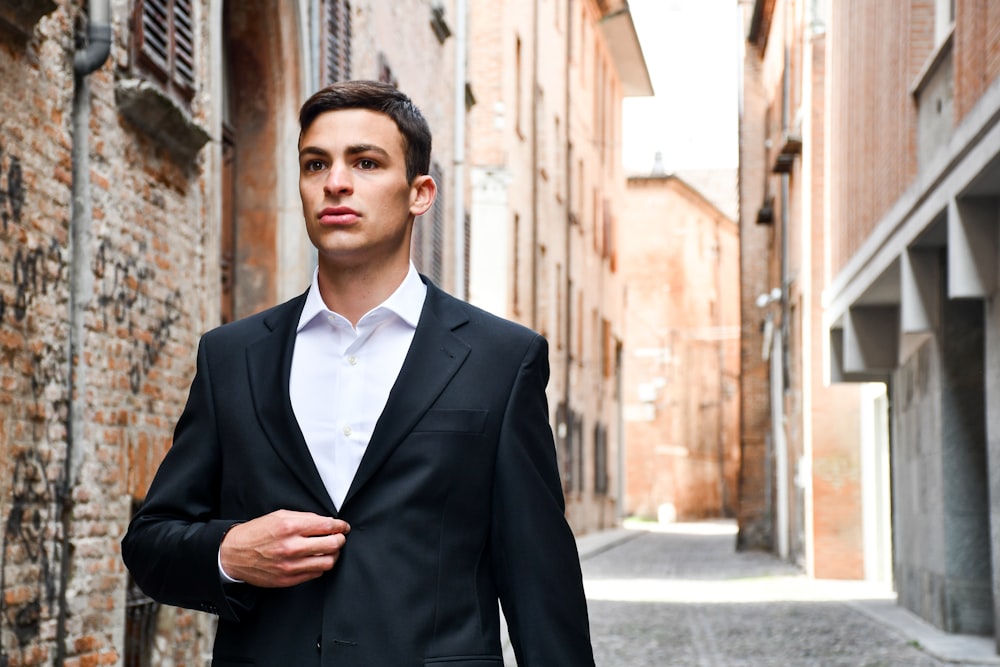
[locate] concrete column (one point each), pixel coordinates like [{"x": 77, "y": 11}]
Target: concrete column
[
  {"x": 920, "y": 288},
  {"x": 968, "y": 595},
  {"x": 972, "y": 247},
  {"x": 991, "y": 378},
  {"x": 871, "y": 339}
]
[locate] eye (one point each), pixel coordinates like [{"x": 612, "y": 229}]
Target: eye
[
  {"x": 311, "y": 166},
  {"x": 367, "y": 164}
]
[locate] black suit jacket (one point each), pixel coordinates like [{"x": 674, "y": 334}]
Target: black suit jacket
[{"x": 457, "y": 502}]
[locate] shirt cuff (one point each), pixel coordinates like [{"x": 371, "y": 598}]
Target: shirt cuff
[
  {"x": 222, "y": 573},
  {"x": 226, "y": 579}
]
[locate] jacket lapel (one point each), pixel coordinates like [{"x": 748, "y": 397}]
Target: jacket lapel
[
  {"x": 269, "y": 362},
  {"x": 435, "y": 355}
]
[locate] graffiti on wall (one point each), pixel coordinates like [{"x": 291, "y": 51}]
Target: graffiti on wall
[
  {"x": 122, "y": 296},
  {"x": 11, "y": 191},
  {"x": 30, "y": 534},
  {"x": 145, "y": 354},
  {"x": 134, "y": 308},
  {"x": 28, "y": 542},
  {"x": 35, "y": 271}
]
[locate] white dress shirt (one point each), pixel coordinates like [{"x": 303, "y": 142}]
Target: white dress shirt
[{"x": 341, "y": 376}]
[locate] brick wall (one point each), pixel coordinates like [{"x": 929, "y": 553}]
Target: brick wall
[
  {"x": 555, "y": 158},
  {"x": 679, "y": 258},
  {"x": 758, "y": 275},
  {"x": 873, "y": 152},
  {"x": 834, "y": 432},
  {"x": 66, "y": 490},
  {"x": 977, "y": 49}
]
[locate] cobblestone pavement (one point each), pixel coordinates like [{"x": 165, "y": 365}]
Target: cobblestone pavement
[{"x": 680, "y": 595}]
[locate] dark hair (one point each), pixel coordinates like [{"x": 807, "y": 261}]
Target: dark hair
[{"x": 383, "y": 98}]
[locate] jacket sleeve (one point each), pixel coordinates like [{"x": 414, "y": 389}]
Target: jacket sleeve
[
  {"x": 172, "y": 543},
  {"x": 536, "y": 563}
]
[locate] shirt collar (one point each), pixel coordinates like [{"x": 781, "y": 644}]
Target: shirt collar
[{"x": 406, "y": 302}]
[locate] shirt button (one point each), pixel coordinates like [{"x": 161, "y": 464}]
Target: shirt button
[
  {"x": 347, "y": 430},
  {"x": 352, "y": 360}
]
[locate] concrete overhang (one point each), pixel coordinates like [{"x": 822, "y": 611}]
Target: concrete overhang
[
  {"x": 623, "y": 43},
  {"x": 890, "y": 292}
]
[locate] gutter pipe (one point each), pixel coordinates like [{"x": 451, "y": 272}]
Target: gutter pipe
[
  {"x": 88, "y": 59},
  {"x": 461, "y": 66}
]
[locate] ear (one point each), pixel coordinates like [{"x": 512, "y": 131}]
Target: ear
[{"x": 423, "y": 190}]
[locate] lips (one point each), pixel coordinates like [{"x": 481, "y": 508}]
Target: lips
[{"x": 338, "y": 215}]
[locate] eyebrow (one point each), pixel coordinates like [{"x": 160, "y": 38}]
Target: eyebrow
[
  {"x": 355, "y": 149},
  {"x": 367, "y": 148}
]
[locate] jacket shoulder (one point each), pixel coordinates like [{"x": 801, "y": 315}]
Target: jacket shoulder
[
  {"x": 479, "y": 318},
  {"x": 252, "y": 326}
]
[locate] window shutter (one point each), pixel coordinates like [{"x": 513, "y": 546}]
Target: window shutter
[
  {"x": 166, "y": 42},
  {"x": 437, "y": 227},
  {"x": 183, "y": 44},
  {"x": 155, "y": 34},
  {"x": 337, "y": 48}
]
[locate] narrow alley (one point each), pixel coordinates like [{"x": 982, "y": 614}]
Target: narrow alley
[{"x": 680, "y": 595}]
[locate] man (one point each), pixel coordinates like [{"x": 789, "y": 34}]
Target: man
[{"x": 360, "y": 473}]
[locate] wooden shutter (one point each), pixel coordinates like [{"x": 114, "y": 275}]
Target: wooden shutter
[
  {"x": 337, "y": 40},
  {"x": 437, "y": 227},
  {"x": 165, "y": 42}
]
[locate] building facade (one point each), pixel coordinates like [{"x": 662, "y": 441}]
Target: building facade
[
  {"x": 148, "y": 192},
  {"x": 887, "y": 151},
  {"x": 914, "y": 185},
  {"x": 679, "y": 259},
  {"x": 814, "y": 476},
  {"x": 547, "y": 185}
]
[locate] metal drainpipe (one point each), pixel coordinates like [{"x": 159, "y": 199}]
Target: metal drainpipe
[
  {"x": 91, "y": 57},
  {"x": 534, "y": 168},
  {"x": 459, "y": 152},
  {"x": 781, "y": 440},
  {"x": 568, "y": 323}
]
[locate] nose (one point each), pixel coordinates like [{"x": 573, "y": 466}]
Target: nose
[{"x": 338, "y": 180}]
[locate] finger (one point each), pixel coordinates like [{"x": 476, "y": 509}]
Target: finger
[
  {"x": 310, "y": 524},
  {"x": 320, "y": 545}
]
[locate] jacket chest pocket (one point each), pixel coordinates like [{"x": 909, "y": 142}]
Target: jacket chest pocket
[{"x": 472, "y": 422}]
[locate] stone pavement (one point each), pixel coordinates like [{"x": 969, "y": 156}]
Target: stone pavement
[{"x": 680, "y": 595}]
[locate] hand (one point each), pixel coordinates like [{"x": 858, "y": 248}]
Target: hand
[{"x": 283, "y": 548}]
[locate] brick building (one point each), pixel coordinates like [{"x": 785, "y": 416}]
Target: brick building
[
  {"x": 814, "y": 482},
  {"x": 870, "y": 172},
  {"x": 141, "y": 204},
  {"x": 914, "y": 186},
  {"x": 679, "y": 257},
  {"x": 546, "y": 189}
]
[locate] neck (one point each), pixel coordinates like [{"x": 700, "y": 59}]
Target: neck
[{"x": 354, "y": 292}]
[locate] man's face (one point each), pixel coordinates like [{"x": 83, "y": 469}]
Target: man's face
[{"x": 357, "y": 203}]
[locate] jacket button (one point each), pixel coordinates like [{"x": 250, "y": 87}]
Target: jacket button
[{"x": 319, "y": 643}]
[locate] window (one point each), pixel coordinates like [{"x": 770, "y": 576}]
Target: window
[
  {"x": 428, "y": 243},
  {"x": 516, "y": 272},
  {"x": 600, "y": 460},
  {"x": 467, "y": 253},
  {"x": 140, "y": 621},
  {"x": 337, "y": 41},
  {"x": 607, "y": 349},
  {"x": 164, "y": 43},
  {"x": 518, "y": 83},
  {"x": 155, "y": 94},
  {"x": 437, "y": 227},
  {"x": 385, "y": 74}
]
